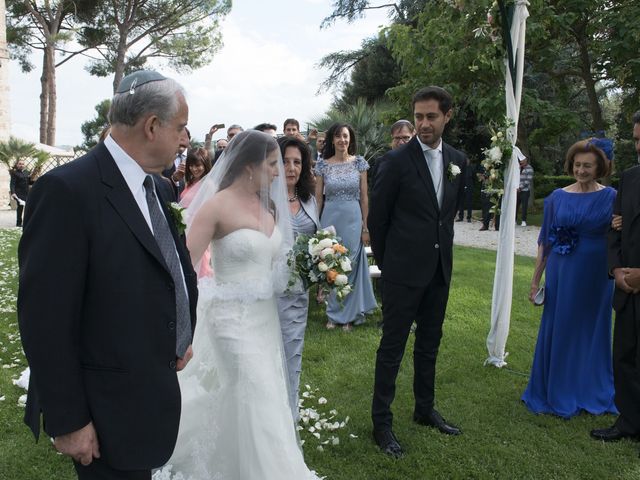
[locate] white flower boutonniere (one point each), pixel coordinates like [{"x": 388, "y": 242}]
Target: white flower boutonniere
[
  {"x": 453, "y": 171},
  {"x": 177, "y": 212}
]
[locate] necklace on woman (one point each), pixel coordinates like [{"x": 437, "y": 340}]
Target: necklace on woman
[{"x": 295, "y": 197}]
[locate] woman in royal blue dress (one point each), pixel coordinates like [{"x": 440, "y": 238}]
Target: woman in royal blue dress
[
  {"x": 342, "y": 197},
  {"x": 572, "y": 368}
]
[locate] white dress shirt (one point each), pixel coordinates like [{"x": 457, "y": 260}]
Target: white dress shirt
[
  {"x": 133, "y": 175},
  {"x": 435, "y": 163}
]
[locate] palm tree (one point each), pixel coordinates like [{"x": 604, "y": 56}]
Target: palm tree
[{"x": 15, "y": 150}]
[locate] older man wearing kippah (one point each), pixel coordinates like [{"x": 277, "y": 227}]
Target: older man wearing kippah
[{"x": 107, "y": 294}]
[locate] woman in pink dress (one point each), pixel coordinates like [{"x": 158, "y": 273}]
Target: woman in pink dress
[{"x": 197, "y": 167}]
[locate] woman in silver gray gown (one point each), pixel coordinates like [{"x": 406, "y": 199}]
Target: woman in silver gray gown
[{"x": 293, "y": 306}]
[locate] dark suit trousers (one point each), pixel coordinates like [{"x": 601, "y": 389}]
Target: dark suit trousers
[
  {"x": 626, "y": 366},
  {"x": 403, "y": 305},
  {"x": 99, "y": 470},
  {"x": 523, "y": 200},
  {"x": 19, "y": 210}
]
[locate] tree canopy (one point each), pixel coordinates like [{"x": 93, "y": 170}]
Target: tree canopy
[{"x": 581, "y": 62}]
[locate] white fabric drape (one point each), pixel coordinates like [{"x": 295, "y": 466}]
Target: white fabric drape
[{"x": 503, "y": 279}]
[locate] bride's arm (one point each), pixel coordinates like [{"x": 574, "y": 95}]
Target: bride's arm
[{"x": 201, "y": 231}]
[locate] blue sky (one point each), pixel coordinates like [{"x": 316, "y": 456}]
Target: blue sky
[{"x": 265, "y": 72}]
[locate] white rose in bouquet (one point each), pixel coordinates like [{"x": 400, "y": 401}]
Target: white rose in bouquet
[
  {"x": 323, "y": 267},
  {"x": 341, "y": 280},
  {"x": 315, "y": 249},
  {"x": 325, "y": 243},
  {"x": 345, "y": 264},
  {"x": 325, "y": 252}
]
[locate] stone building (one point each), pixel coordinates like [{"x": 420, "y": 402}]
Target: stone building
[{"x": 5, "y": 107}]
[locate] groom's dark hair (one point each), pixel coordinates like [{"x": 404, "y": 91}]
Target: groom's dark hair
[
  {"x": 444, "y": 98},
  {"x": 636, "y": 117}
]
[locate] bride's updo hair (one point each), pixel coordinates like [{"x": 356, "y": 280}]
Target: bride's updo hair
[{"x": 250, "y": 147}]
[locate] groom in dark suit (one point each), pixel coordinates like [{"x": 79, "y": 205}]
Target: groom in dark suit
[
  {"x": 107, "y": 294},
  {"x": 624, "y": 264},
  {"x": 416, "y": 194}
]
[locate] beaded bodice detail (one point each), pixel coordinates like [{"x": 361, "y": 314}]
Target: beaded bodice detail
[{"x": 342, "y": 180}]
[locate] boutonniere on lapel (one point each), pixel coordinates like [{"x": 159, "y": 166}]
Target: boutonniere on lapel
[
  {"x": 453, "y": 171},
  {"x": 177, "y": 212}
]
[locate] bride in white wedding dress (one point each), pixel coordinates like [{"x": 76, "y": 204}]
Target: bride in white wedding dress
[{"x": 236, "y": 423}]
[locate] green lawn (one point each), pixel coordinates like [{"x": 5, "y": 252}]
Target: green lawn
[{"x": 501, "y": 438}]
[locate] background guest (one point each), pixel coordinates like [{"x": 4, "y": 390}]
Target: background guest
[
  {"x": 401, "y": 132},
  {"x": 572, "y": 368},
  {"x": 321, "y": 138},
  {"x": 175, "y": 173},
  {"x": 209, "y": 135},
  {"x": 487, "y": 204},
  {"x": 291, "y": 127},
  {"x": 467, "y": 201},
  {"x": 20, "y": 181},
  {"x": 233, "y": 130},
  {"x": 221, "y": 144},
  {"x": 526, "y": 182},
  {"x": 268, "y": 128},
  {"x": 197, "y": 166},
  {"x": 341, "y": 177},
  {"x": 293, "y": 307}
]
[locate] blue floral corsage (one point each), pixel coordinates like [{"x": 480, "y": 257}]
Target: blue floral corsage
[{"x": 563, "y": 239}]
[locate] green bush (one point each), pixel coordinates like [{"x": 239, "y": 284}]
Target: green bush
[{"x": 543, "y": 185}]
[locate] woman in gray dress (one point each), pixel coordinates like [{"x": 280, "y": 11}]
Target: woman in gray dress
[{"x": 293, "y": 306}]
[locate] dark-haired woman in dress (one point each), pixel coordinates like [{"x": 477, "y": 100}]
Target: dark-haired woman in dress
[
  {"x": 572, "y": 370},
  {"x": 342, "y": 177},
  {"x": 197, "y": 166},
  {"x": 293, "y": 306}
]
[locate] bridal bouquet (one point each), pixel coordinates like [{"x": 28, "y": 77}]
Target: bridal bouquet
[{"x": 320, "y": 259}]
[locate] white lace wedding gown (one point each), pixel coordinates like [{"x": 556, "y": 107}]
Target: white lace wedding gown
[{"x": 236, "y": 422}]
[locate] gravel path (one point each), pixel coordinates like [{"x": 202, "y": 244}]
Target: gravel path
[
  {"x": 7, "y": 218},
  {"x": 466, "y": 234},
  {"x": 469, "y": 235}
]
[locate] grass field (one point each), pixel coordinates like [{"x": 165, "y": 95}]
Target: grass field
[{"x": 501, "y": 439}]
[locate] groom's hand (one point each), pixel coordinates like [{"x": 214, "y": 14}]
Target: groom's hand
[
  {"x": 182, "y": 362},
  {"x": 81, "y": 445}
]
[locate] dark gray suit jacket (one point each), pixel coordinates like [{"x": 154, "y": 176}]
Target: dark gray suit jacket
[
  {"x": 624, "y": 246},
  {"x": 410, "y": 235}
]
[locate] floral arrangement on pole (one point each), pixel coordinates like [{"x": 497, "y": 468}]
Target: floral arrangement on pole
[
  {"x": 496, "y": 159},
  {"x": 320, "y": 259}
]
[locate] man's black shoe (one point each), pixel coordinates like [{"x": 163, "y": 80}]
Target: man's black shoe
[
  {"x": 388, "y": 443},
  {"x": 611, "y": 434},
  {"x": 434, "y": 419}
]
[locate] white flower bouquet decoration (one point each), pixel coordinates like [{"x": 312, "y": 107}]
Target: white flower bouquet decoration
[
  {"x": 321, "y": 260},
  {"x": 496, "y": 159}
]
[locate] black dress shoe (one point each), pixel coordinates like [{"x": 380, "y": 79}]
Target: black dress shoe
[
  {"x": 388, "y": 443},
  {"x": 434, "y": 419},
  {"x": 611, "y": 434}
]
